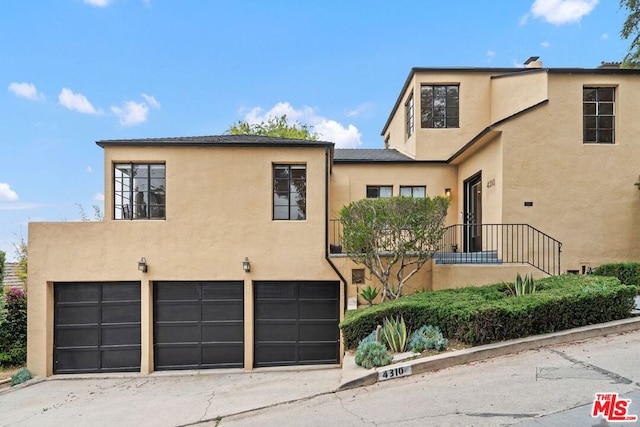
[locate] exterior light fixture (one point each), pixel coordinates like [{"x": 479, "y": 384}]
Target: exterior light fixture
[
  {"x": 447, "y": 192},
  {"x": 246, "y": 265},
  {"x": 142, "y": 265}
]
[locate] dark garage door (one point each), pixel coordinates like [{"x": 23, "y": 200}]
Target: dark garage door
[
  {"x": 296, "y": 323},
  {"x": 96, "y": 327},
  {"x": 198, "y": 325}
]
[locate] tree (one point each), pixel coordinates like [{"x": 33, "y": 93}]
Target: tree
[
  {"x": 2, "y": 260},
  {"x": 393, "y": 237},
  {"x": 631, "y": 29},
  {"x": 23, "y": 258},
  {"x": 275, "y": 126}
]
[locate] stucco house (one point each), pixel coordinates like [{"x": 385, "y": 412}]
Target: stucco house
[{"x": 224, "y": 251}]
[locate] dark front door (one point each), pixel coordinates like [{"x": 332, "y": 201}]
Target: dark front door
[
  {"x": 473, "y": 214},
  {"x": 198, "y": 325},
  {"x": 296, "y": 323},
  {"x": 96, "y": 327}
]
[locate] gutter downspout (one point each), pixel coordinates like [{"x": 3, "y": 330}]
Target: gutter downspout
[{"x": 326, "y": 225}]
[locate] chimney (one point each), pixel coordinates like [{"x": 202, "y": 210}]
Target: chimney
[{"x": 533, "y": 62}]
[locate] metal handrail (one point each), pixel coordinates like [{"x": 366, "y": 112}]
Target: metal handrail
[{"x": 500, "y": 243}]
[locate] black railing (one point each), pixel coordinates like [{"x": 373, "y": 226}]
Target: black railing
[
  {"x": 335, "y": 236},
  {"x": 499, "y": 243}
]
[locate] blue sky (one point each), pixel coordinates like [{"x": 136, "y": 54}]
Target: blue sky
[{"x": 76, "y": 71}]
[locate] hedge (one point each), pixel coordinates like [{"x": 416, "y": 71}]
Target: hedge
[
  {"x": 627, "y": 272},
  {"x": 480, "y": 315}
]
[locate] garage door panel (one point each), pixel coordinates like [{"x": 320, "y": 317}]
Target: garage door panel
[
  {"x": 198, "y": 325},
  {"x": 91, "y": 333},
  {"x": 113, "y": 312},
  {"x": 318, "y": 332},
  {"x": 222, "y": 310},
  {"x": 177, "y": 311},
  {"x": 276, "y": 310},
  {"x": 318, "y": 309},
  {"x": 77, "y": 336},
  {"x": 121, "y": 335},
  {"x": 296, "y": 323},
  {"x": 224, "y": 331}
]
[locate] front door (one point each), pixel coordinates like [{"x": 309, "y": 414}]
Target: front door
[{"x": 473, "y": 213}]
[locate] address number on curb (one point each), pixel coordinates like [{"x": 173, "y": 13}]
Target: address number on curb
[{"x": 400, "y": 371}]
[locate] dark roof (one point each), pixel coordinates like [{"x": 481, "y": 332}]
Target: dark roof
[
  {"x": 366, "y": 155},
  {"x": 11, "y": 278},
  {"x": 215, "y": 140}
]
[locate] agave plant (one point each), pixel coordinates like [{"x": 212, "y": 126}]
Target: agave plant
[
  {"x": 394, "y": 331},
  {"x": 522, "y": 286},
  {"x": 369, "y": 294}
]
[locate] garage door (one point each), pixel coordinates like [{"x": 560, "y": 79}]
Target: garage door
[
  {"x": 96, "y": 327},
  {"x": 296, "y": 323},
  {"x": 198, "y": 325}
]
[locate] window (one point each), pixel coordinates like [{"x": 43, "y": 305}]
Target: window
[
  {"x": 598, "y": 107},
  {"x": 439, "y": 106},
  {"x": 409, "y": 114},
  {"x": 413, "y": 191},
  {"x": 357, "y": 276},
  {"x": 375, "y": 191},
  {"x": 139, "y": 191},
  {"x": 290, "y": 192}
]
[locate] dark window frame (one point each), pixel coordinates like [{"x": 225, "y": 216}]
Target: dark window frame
[
  {"x": 599, "y": 114},
  {"x": 293, "y": 189},
  {"x": 409, "y": 112},
  {"x": 438, "y": 111},
  {"x": 376, "y": 188},
  {"x": 148, "y": 203},
  {"x": 413, "y": 189}
]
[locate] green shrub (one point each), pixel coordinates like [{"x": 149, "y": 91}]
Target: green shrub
[
  {"x": 480, "y": 315},
  {"x": 372, "y": 354},
  {"x": 627, "y": 272},
  {"x": 394, "y": 331},
  {"x": 428, "y": 337},
  {"x": 21, "y": 376},
  {"x": 369, "y": 294},
  {"x": 13, "y": 328}
]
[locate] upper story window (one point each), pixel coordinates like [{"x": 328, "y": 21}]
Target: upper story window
[
  {"x": 290, "y": 192},
  {"x": 409, "y": 115},
  {"x": 598, "y": 113},
  {"x": 439, "y": 106},
  {"x": 139, "y": 191},
  {"x": 375, "y": 191},
  {"x": 413, "y": 191}
]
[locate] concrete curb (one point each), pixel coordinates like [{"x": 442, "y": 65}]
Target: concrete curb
[{"x": 460, "y": 357}]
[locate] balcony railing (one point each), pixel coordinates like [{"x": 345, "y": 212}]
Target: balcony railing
[{"x": 486, "y": 244}]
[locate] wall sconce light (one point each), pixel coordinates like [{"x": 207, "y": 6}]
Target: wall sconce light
[
  {"x": 447, "y": 192},
  {"x": 246, "y": 265},
  {"x": 142, "y": 265}
]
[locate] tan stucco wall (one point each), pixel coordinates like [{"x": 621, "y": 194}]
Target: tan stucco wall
[
  {"x": 582, "y": 194},
  {"x": 512, "y": 93},
  {"x": 219, "y": 211},
  {"x": 456, "y": 276}
]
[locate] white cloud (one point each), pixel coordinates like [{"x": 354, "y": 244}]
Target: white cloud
[
  {"x": 21, "y": 206},
  {"x": 524, "y": 19},
  {"x": 98, "y": 3},
  {"x": 7, "y": 194},
  {"x": 327, "y": 129},
  {"x": 98, "y": 197},
  {"x": 491, "y": 53},
  {"x": 361, "y": 110},
  {"x": 88, "y": 169},
  {"x": 562, "y": 11},
  {"x": 133, "y": 113},
  {"x": 25, "y": 90},
  {"x": 604, "y": 36},
  {"x": 76, "y": 102},
  {"x": 545, "y": 44}
]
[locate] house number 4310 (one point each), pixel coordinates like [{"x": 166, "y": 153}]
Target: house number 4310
[{"x": 400, "y": 371}]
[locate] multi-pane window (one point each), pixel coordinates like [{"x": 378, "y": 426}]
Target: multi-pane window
[
  {"x": 290, "y": 192},
  {"x": 375, "y": 191},
  {"x": 139, "y": 191},
  {"x": 439, "y": 106},
  {"x": 409, "y": 114},
  {"x": 413, "y": 191},
  {"x": 598, "y": 111}
]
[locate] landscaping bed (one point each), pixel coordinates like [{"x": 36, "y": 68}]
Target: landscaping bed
[{"x": 481, "y": 315}]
